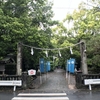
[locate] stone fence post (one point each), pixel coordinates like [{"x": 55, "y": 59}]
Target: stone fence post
[{"x": 24, "y": 80}]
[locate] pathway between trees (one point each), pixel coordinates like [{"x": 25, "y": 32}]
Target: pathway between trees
[
  {"x": 54, "y": 86},
  {"x": 53, "y": 82}
]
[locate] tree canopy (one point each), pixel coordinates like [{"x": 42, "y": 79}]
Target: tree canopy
[
  {"x": 30, "y": 22},
  {"x": 84, "y": 25}
]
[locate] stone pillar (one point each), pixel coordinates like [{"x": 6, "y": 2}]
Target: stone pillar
[
  {"x": 83, "y": 57},
  {"x": 19, "y": 59},
  {"x": 24, "y": 80}
]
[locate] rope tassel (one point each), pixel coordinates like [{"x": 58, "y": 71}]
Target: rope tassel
[
  {"x": 71, "y": 50},
  {"x": 59, "y": 53},
  {"x": 46, "y": 53},
  {"x": 32, "y": 52}
]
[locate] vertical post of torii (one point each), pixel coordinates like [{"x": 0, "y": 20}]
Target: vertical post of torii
[
  {"x": 83, "y": 57},
  {"x": 19, "y": 59}
]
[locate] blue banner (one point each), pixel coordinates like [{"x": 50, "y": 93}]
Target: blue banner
[
  {"x": 42, "y": 69},
  {"x": 72, "y": 69},
  {"x": 70, "y": 65},
  {"x": 48, "y": 66}
]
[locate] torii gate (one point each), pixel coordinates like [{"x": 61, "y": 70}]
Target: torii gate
[
  {"x": 19, "y": 59},
  {"x": 83, "y": 57}
]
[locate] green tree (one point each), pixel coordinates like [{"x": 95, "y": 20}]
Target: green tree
[
  {"x": 86, "y": 26},
  {"x": 25, "y": 21}
]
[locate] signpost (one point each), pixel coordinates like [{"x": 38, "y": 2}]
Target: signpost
[
  {"x": 91, "y": 81},
  {"x": 11, "y": 83}
]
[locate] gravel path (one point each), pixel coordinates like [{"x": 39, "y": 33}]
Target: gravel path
[{"x": 55, "y": 82}]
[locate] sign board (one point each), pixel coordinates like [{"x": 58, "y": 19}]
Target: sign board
[
  {"x": 91, "y": 81},
  {"x": 10, "y": 82},
  {"x": 31, "y": 72}
]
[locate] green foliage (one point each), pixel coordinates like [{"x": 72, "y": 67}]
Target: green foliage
[
  {"x": 29, "y": 22},
  {"x": 94, "y": 52},
  {"x": 20, "y": 22},
  {"x": 85, "y": 25}
]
